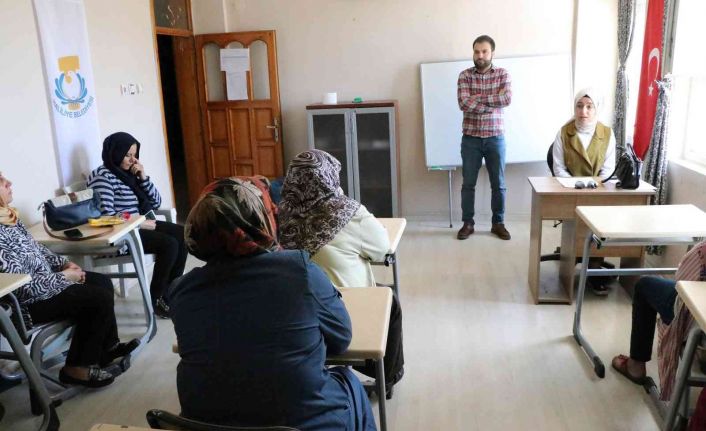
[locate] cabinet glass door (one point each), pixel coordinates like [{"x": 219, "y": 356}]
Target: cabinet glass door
[
  {"x": 329, "y": 132},
  {"x": 374, "y": 161}
]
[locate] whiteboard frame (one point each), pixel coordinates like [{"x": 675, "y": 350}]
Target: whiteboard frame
[{"x": 553, "y": 123}]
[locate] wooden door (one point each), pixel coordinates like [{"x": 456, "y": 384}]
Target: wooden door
[
  {"x": 190, "y": 116},
  {"x": 241, "y": 137}
]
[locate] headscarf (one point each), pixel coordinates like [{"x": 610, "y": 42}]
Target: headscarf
[
  {"x": 8, "y": 215},
  {"x": 115, "y": 147},
  {"x": 313, "y": 208},
  {"x": 229, "y": 218},
  {"x": 595, "y": 97}
]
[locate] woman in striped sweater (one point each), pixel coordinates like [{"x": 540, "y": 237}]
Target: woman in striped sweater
[{"x": 124, "y": 187}]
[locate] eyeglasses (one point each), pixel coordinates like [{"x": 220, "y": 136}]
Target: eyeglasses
[{"x": 590, "y": 184}]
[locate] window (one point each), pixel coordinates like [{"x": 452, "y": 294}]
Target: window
[{"x": 689, "y": 91}]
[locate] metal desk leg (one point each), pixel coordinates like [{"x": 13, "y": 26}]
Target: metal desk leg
[
  {"x": 395, "y": 276},
  {"x": 682, "y": 376},
  {"x": 136, "y": 251},
  {"x": 598, "y": 366},
  {"x": 51, "y": 420},
  {"x": 382, "y": 394}
]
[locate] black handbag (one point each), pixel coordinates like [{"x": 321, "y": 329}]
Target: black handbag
[
  {"x": 62, "y": 217},
  {"x": 627, "y": 170}
]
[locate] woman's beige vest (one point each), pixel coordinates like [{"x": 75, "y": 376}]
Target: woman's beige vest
[{"x": 582, "y": 162}]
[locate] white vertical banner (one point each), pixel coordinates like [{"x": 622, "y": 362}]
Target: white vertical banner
[{"x": 70, "y": 84}]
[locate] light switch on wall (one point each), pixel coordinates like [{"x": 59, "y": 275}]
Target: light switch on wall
[{"x": 123, "y": 89}]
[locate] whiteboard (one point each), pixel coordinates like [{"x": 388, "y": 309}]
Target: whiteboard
[{"x": 542, "y": 101}]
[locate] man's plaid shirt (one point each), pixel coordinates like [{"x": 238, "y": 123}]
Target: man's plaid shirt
[{"x": 481, "y": 102}]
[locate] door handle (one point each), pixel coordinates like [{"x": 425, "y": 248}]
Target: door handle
[{"x": 275, "y": 127}]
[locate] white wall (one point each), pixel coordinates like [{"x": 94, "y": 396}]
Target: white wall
[
  {"x": 373, "y": 48},
  {"x": 207, "y": 16},
  {"x": 686, "y": 183},
  {"x": 122, "y": 51}
]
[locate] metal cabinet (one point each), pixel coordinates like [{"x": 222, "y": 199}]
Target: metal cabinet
[{"x": 364, "y": 138}]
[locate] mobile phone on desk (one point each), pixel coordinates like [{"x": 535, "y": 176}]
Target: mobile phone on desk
[
  {"x": 149, "y": 215},
  {"x": 73, "y": 233}
]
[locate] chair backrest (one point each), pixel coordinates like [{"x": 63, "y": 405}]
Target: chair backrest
[
  {"x": 550, "y": 158},
  {"x": 77, "y": 186},
  {"x": 163, "y": 420}
]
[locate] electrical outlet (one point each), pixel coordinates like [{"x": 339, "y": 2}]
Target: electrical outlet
[{"x": 133, "y": 89}]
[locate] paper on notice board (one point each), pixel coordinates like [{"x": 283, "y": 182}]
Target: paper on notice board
[
  {"x": 235, "y": 60},
  {"x": 236, "y": 86}
]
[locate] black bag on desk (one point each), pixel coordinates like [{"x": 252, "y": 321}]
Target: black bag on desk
[
  {"x": 627, "y": 169},
  {"x": 76, "y": 213}
]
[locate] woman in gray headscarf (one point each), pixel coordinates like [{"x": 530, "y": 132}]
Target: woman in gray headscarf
[
  {"x": 341, "y": 236},
  {"x": 584, "y": 147}
]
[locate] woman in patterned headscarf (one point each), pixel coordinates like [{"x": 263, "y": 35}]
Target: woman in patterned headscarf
[
  {"x": 341, "y": 236},
  {"x": 254, "y": 325},
  {"x": 60, "y": 289}
]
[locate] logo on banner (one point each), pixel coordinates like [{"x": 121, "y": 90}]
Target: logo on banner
[{"x": 72, "y": 99}]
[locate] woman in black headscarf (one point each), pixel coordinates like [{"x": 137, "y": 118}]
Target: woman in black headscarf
[
  {"x": 124, "y": 187},
  {"x": 255, "y": 324}
]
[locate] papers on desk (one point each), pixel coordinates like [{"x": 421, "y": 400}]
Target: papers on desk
[{"x": 570, "y": 182}]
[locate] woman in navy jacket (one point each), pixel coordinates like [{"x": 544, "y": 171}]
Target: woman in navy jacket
[{"x": 254, "y": 325}]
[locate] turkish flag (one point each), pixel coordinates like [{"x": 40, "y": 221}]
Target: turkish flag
[{"x": 651, "y": 71}]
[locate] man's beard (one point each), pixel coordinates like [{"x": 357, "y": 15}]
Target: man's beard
[{"x": 481, "y": 64}]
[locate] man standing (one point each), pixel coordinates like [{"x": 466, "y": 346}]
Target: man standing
[{"x": 483, "y": 92}]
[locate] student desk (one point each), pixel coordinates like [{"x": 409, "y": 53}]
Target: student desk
[
  {"x": 693, "y": 294},
  {"x": 395, "y": 228},
  {"x": 552, "y": 201},
  {"x": 632, "y": 226},
  {"x": 128, "y": 233},
  {"x": 109, "y": 427},
  {"x": 9, "y": 283},
  {"x": 369, "y": 309}
]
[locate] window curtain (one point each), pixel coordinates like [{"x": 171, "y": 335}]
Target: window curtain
[
  {"x": 626, "y": 29},
  {"x": 654, "y": 169}
]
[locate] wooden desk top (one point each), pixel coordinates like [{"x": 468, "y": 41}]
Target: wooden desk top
[
  {"x": 693, "y": 293},
  {"x": 118, "y": 232},
  {"x": 109, "y": 427},
  {"x": 11, "y": 282},
  {"x": 550, "y": 186},
  {"x": 369, "y": 308},
  {"x": 644, "y": 221},
  {"x": 395, "y": 228}
]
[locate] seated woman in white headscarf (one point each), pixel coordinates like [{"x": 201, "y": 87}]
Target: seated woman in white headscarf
[{"x": 585, "y": 147}]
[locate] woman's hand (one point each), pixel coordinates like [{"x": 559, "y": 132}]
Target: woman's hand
[
  {"x": 74, "y": 274},
  {"x": 149, "y": 225},
  {"x": 71, "y": 265},
  {"x": 138, "y": 170}
]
